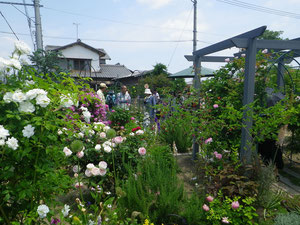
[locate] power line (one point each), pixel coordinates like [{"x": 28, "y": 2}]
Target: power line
[
  {"x": 261, "y": 8},
  {"x": 126, "y": 23},
  {"x": 9, "y": 25},
  {"x": 173, "y": 53},
  {"x": 111, "y": 40}
]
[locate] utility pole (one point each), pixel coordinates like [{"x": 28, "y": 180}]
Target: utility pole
[
  {"x": 76, "y": 24},
  {"x": 195, "y": 26},
  {"x": 38, "y": 25}
]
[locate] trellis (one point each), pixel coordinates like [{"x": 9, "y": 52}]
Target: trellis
[{"x": 248, "y": 41}]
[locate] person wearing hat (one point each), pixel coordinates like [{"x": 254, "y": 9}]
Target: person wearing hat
[
  {"x": 149, "y": 103},
  {"x": 101, "y": 91},
  {"x": 123, "y": 98}
]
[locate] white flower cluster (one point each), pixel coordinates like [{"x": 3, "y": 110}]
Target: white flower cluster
[
  {"x": 42, "y": 210},
  {"x": 65, "y": 211},
  {"x": 86, "y": 114},
  {"x": 22, "y": 48},
  {"x": 14, "y": 63},
  {"x": 66, "y": 101},
  {"x": 11, "y": 142},
  {"x": 92, "y": 170},
  {"x": 23, "y": 99},
  {"x": 28, "y": 131}
]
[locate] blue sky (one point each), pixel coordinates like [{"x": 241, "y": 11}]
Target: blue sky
[{"x": 102, "y": 22}]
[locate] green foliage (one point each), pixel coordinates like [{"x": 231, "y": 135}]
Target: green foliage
[
  {"x": 119, "y": 117},
  {"x": 221, "y": 207},
  {"x": 287, "y": 219},
  {"x": 154, "y": 190},
  {"x": 46, "y": 62},
  {"x": 271, "y": 35}
]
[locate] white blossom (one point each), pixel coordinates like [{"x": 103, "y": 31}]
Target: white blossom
[
  {"x": 66, "y": 101},
  {"x": 59, "y": 132},
  {"x": 42, "y": 100},
  {"x": 67, "y": 151},
  {"x": 87, "y": 115},
  {"x": 28, "y": 131},
  {"x": 90, "y": 166},
  {"x": 15, "y": 63},
  {"x": 42, "y": 211},
  {"x": 96, "y": 171},
  {"x": 8, "y": 97},
  {"x": 107, "y": 149},
  {"x": 2, "y": 142},
  {"x": 29, "y": 82},
  {"x": 102, "y": 165},
  {"x": 18, "y": 96},
  {"x": 97, "y": 147},
  {"x": 12, "y": 143},
  {"x": 102, "y": 135},
  {"x": 65, "y": 211},
  {"x": 26, "y": 107},
  {"x": 3, "y": 132},
  {"x": 22, "y": 47}
]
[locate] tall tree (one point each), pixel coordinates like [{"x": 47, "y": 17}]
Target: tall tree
[{"x": 271, "y": 35}]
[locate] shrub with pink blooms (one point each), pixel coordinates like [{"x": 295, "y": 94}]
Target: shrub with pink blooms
[{"x": 222, "y": 209}]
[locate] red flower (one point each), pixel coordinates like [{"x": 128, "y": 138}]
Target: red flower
[{"x": 135, "y": 129}]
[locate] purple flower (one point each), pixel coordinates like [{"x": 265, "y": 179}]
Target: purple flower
[{"x": 55, "y": 221}]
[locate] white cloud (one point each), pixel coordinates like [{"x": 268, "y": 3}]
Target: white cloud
[{"x": 155, "y": 4}]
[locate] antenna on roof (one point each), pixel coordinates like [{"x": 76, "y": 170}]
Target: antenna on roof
[{"x": 76, "y": 24}]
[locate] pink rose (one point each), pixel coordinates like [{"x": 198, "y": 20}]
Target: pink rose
[
  {"x": 102, "y": 172},
  {"x": 132, "y": 118},
  {"x": 102, "y": 135},
  {"x": 208, "y": 140},
  {"x": 118, "y": 140},
  {"x": 122, "y": 128},
  {"x": 215, "y": 106},
  {"x": 88, "y": 173},
  {"x": 102, "y": 165},
  {"x": 225, "y": 220},
  {"x": 205, "y": 208},
  {"x": 227, "y": 60},
  {"x": 209, "y": 198},
  {"x": 218, "y": 156},
  {"x": 235, "y": 204},
  {"x": 142, "y": 151},
  {"x": 95, "y": 171},
  {"x": 78, "y": 185},
  {"x": 80, "y": 154},
  {"x": 113, "y": 110}
]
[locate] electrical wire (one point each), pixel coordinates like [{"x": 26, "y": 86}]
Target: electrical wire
[
  {"x": 9, "y": 25},
  {"x": 261, "y": 8},
  {"x": 173, "y": 53},
  {"x": 126, "y": 23},
  {"x": 110, "y": 40}
]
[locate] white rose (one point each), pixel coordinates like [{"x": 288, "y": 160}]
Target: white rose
[
  {"x": 28, "y": 131},
  {"x": 102, "y": 135},
  {"x": 8, "y": 97},
  {"x": 139, "y": 132},
  {"x": 67, "y": 151},
  {"x": 88, "y": 173},
  {"x": 2, "y": 142},
  {"x": 91, "y": 132},
  {"x": 90, "y": 166},
  {"x": 66, "y": 101},
  {"x": 3, "y": 132},
  {"x": 18, "y": 96},
  {"x": 83, "y": 108},
  {"x": 95, "y": 171},
  {"x": 22, "y": 47},
  {"x": 59, "y": 132},
  {"x": 106, "y": 128},
  {"x": 80, "y": 135},
  {"x": 26, "y": 107},
  {"x": 102, "y": 172},
  {"x": 29, "y": 82},
  {"x": 42, "y": 100},
  {"x": 107, "y": 149},
  {"x": 12, "y": 143},
  {"x": 42, "y": 211},
  {"x": 97, "y": 147},
  {"x": 102, "y": 165},
  {"x": 31, "y": 94},
  {"x": 15, "y": 63},
  {"x": 131, "y": 134},
  {"x": 108, "y": 143},
  {"x": 87, "y": 115}
]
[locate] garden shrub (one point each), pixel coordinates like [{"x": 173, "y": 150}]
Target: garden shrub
[
  {"x": 119, "y": 117},
  {"x": 154, "y": 190}
]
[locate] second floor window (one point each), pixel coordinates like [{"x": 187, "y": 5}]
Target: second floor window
[{"x": 80, "y": 64}]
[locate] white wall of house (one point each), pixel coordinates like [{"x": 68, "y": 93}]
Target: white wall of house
[{"x": 79, "y": 52}]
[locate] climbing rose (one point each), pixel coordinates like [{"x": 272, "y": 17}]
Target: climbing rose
[
  {"x": 205, "y": 208},
  {"x": 235, "y": 205},
  {"x": 209, "y": 198},
  {"x": 142, "y": 151}
]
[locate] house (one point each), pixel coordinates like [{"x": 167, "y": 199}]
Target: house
[{"x": 86, "y": 61}]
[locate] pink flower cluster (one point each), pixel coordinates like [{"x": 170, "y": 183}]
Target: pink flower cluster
[
  {"x": 208, "y": 140},
  {"x": 218, "y": 155}
]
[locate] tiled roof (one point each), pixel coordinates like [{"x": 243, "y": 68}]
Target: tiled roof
[
  {"x": 103, "y": 53},
  {"x": 189, "y": 72},
  {"x": 112, "y": 71}
]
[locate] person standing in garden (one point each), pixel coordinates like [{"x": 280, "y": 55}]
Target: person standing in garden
[
  {"x": 123, "y": 98},
  {"x": 111, "y": 99},
  {"x": 149, "y": 103},
  {"x": 101, "y": 92}
]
